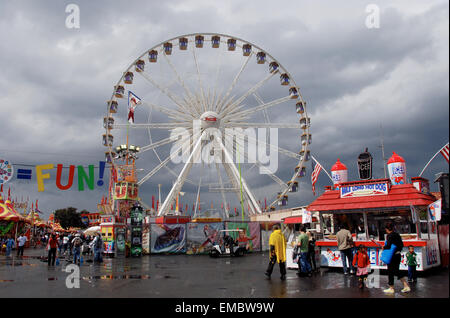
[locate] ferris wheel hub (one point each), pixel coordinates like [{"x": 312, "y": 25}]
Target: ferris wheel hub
[{"x": 210, "y": 119}]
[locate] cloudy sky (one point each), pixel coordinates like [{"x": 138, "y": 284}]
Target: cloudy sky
[{"x": 355, "y": 80}]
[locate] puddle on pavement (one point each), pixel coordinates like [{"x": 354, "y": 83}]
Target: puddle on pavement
[
  {"x": 13, "y": 264},
  {"x": 11, "y": 280},
  {"x": 116, "y": 277}
]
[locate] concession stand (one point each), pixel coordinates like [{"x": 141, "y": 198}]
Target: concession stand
[
  {"x": 365, "y": 206},
  {"x": 292, "y": 225}
]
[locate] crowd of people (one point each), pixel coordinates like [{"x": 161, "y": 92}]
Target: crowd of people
[
  {"x": 7, "y": 244},
  {"x": 304, "y": 253},
  {"x": 71, "y": 247},
  {"x": 355, "y": 261}
]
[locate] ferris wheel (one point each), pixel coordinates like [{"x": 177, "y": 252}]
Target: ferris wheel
[{"x": 214, "y": 116}]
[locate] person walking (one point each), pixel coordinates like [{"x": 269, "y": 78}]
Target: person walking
[
  {"x": 303, "y": 243},
  {"x": 52, "y": 246},
  {"x": 97, "y": 244},
  {"x": 65, "y": 243},
  {"x": 393, "y": 238},
  {"x": 312, "y": 252},
  {"x": 76, "y": 243},
  {"x": 60, "y": 243},
  {"x": 22, "y": 239},
  {"x": 345, "y": 246},
  {"x": 277, "y": 246},
  {"x": 9, "y": 245},
  {"x": 69, "y": 246},
  {"x": 411, "y": 259}
]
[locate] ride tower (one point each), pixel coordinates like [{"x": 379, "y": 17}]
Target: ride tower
[{"x": 123, "y": 197}]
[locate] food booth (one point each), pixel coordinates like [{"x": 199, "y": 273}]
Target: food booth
[
  {"x": 365, "y": 207},
  {"x": 291, "y": 227}
]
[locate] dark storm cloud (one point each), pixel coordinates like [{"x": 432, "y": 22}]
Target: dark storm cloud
[{"x": 55, "y": 81}]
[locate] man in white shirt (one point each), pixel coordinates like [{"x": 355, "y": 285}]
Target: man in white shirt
[
  {"x": 21, "y": 244},
  {"x": 65, "y": 243}
]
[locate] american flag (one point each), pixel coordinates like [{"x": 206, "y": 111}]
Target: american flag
[
  {"x": 314, "y": 176},
  {"x": 444, "y": 152}
]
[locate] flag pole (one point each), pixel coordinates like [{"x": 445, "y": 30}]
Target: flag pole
[
  {"x": 317, "y": 162},
  {"x": 240, "y": 180},
  {"x": 426, "y": 166}
]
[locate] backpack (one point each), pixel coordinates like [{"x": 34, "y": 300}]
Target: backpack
[
  {"x": 98, "y": 243},
  {"x": 77, "y": 242}
]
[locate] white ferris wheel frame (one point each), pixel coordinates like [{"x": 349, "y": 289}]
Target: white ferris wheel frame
[{"x": 184, "y": 115}]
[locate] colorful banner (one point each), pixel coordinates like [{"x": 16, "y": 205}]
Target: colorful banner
[
  {"x": 120, "y": 241},
  {"x": 434, "y": 210},
  {"x": 146, "y": 239},
  {"x": 136, "y": 230},
  {"x": 331, "y": 257},
  {"x": 306, "y": 216},
  {"x": 84, "y": 178},
  {"x": 201, "y": 237},
  {"x": 168, "y": 238},
  {"x": 250, "y": 236},
  {"x": 6, "y": 171},
  {"x": 255, "y": 232}
]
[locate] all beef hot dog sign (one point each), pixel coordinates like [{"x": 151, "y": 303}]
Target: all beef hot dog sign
[{"x": 361, "y": 190}]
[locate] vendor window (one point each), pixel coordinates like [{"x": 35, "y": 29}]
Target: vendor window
[{"x": 402, "y": 220}]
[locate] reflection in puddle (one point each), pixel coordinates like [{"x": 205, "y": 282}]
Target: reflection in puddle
[{"x": 114, "y": 277}]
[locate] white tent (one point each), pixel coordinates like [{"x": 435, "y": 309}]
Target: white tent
[{"x": 92, "y": 230}]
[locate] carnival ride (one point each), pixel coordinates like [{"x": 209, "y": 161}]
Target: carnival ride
[{"x": 201, "y": 103}]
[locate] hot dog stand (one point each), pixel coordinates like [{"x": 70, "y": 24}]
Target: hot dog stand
[{"x": 365, "y": 207}]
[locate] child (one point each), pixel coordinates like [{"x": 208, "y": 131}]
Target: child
[
  {"x": 362, "y": 262},
  {"x": 412, "y": 264}
]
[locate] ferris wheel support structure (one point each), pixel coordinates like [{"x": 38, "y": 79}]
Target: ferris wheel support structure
[{"x": 176, "y": 188}]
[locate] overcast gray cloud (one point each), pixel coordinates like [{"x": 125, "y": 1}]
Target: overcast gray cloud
[{"x": 55, "y": 81}]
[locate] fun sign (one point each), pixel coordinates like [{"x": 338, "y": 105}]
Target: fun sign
[{"x": 88, "y": 178}]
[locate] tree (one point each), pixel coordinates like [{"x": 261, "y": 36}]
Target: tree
[{"x": 69, "y": 217}]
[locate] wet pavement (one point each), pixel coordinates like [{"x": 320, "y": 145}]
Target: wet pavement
[{"x": 186, "y": 276}]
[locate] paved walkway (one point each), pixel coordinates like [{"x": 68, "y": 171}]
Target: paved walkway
[{"x": 191, "y": 277}]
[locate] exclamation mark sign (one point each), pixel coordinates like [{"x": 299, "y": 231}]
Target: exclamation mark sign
[{"x": 101, "y": 172}]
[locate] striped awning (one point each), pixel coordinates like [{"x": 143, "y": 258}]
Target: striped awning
[{"x": 6, "y": 214}]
